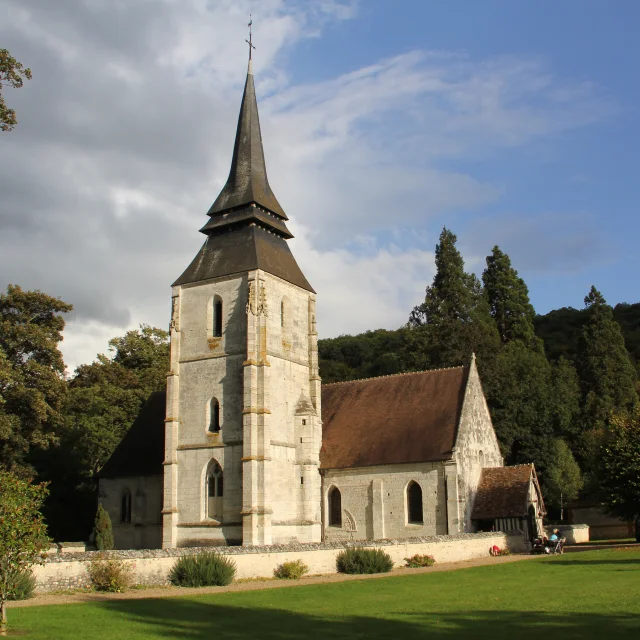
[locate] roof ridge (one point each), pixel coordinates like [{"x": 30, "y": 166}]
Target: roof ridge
[{"x": 395, "y": 375}]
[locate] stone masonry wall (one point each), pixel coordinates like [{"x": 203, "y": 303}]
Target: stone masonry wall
[
  {"x": 374, "y": 501},
  {"x": 145, "y": 529},
  {"x": 151, "y": 567},
  {"x": 259, "y": 371}
]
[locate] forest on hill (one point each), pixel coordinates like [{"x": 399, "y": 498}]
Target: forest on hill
[
  {"x": 552, "y": 382},
  {"x": 556, "y": 384},
  {"x": 381, "y": 352}
]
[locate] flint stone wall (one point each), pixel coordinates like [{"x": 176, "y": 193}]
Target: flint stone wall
[{"x": 151, "y": 566}]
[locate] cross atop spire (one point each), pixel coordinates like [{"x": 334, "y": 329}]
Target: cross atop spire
[{"x": 250, "y": 40}]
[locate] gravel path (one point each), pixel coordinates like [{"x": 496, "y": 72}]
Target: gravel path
[{"x": 251, "y": 585}]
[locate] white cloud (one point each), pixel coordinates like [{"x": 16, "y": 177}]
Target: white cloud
[{"x": 126, "y": 133}]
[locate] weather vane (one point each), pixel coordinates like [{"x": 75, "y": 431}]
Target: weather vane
[{"x": 249, "y": 41}]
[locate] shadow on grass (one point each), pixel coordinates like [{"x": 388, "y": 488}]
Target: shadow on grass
[
  {"x": 591, "y": 562},
  {"x": 197, "y": 620}
]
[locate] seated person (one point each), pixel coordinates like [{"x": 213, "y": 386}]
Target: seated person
[{"x": 554, "y": 536}]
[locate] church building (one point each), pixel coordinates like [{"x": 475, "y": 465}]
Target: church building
[{"x": 246, "y": 446}]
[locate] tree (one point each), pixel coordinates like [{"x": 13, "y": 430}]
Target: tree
[
  {"x": 32, "y": 385},
  {"x": 619, "y": 469},
  {"x": 105, "y": 396},
  {"x": 12, "y": 73},
  {"x": 23, "y": 536},
  {"x": 521, "y": 406},
  {"x": 565, "y": 399},
  {"x": 373, "y": 353},
  {"x": 508, "y": 298},
  {"x": 563, "y": 479},
  {"x": 102, "y": 402},
  {"x": 102, "y": 531},
  {"x": 454, "y": 319},
  {"x": 607, "y": 377}
]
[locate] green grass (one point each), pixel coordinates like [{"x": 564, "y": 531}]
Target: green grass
[{"x": 579, "y": 595}]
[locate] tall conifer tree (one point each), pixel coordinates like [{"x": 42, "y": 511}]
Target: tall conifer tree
[
  {"x": 607, "y": 377},
  {"x": 508, "y": 299},
  {"x": 454, "y": 319}
]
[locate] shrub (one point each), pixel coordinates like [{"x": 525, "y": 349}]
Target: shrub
[
  {"x": 293, "y": 570},
  {"x": 420, "y": 561},
  {"x": 208, "y": 569},
  {"x": 109, "y": 574},
  {"x": 359, "y": 560},
  {"x": 23, "y": 587},
  {"x": 102, "y": 530}
]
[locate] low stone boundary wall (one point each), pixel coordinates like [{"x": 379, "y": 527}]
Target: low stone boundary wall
[
  {"x": 574, "y": 533},
  {"x": 151, "y": 567}
]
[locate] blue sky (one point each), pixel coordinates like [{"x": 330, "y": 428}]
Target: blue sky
[
  {"x": 511, "y": 122},
  {"x": 585, "y": 179}
]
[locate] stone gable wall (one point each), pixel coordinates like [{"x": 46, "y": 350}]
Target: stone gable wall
[
  {"x": 151, "y": 566},
  {"x": 476, "y": 446}
]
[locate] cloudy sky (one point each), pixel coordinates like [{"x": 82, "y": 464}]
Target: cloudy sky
[{"x": 512, "y": 122}]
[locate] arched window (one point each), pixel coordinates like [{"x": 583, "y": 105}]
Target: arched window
[
  {"x": 481, "y": 458},
  {"x": 217, "y": 317},
  {"x": 335, "y": 507},
  {"x": 214, "y": 416},
  {"x": 214, "y": 489},
  {"x": 414, "y": 503},
  {"x": 125, "y": 506}
]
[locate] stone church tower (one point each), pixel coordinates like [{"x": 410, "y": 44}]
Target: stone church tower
[{"x": 243, "y": 429}]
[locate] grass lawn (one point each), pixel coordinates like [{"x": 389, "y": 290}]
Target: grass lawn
[{"x": 593, "y": 594}]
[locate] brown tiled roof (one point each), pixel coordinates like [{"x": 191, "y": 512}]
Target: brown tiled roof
[
  {"x": 502, "y": 492},
  {"x": 410, "y": 417}
]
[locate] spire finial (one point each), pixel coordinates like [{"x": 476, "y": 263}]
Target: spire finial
[{"x": 250, "y": 40}]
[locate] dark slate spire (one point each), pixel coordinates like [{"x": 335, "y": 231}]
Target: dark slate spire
[
  {"x": 247, "y": 228},
  {"x": 247, "y": 182}
]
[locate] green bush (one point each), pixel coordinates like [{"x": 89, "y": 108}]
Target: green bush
[
  {"x": 208, "y": 569},
  {"x": 23, "y": 587},
  {"x": 420, "y": 561},
  {"x": 102, "y": 530},
  {"x": 293, "y": 570},
  {"x": 359, "y": 560},
  {"x": 109, "y": 574}
]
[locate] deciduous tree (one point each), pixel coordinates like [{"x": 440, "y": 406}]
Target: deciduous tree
[
  {"x": 12, "y": 74},
  {"x": 563, "y": 479},
  {"x": 32, "y": 385},
  {"x": 619, "y": 469},
  {"x": 23, "y": 534},
  {"x": 104, "y": 399}
]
